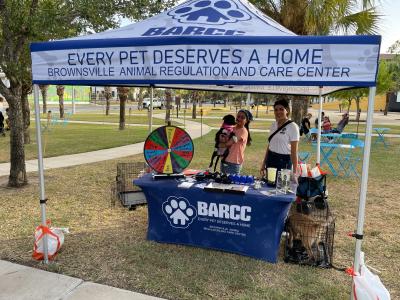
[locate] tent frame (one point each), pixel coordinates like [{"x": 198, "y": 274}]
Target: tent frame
[{"x": 364, "y": 176}]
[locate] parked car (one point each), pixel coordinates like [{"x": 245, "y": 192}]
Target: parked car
[{"x": 157, "y": 103}]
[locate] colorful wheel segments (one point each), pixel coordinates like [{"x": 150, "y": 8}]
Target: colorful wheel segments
[{"x": 168, "y": 150}]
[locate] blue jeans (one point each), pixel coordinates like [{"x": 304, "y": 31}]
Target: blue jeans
[{"x": 230, "y": 168}]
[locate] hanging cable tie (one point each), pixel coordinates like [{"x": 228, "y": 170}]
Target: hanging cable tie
[
  {"x": 350, "y": 271},
  {"x": 356, "y": 235}
]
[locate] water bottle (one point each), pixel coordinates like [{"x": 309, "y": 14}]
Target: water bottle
[
  {"x": 250, "y": 179},
  {"x": 235, "y": 179}
]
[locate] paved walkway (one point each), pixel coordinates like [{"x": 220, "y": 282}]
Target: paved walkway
[
  {"x": 24, "y": 283},
  {"x": 193, "y": 128}
]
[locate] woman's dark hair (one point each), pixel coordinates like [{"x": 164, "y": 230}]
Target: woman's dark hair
[{"x": 249, "y": 118}]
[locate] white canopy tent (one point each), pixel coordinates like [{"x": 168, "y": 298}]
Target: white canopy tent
[{"x": 214, "y": 45}]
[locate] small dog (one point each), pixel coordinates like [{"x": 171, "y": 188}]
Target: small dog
[
  {"x": 223, "y": 135},
  {"x": 311, "y": 230}
]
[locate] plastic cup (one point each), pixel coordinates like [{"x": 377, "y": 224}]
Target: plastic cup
[{"x": 271, "y": 176}]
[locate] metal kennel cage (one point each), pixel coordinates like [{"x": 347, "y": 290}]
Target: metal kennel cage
[
  {"x": 310, "y": 231},
  {"x": 124, "y": 189}
]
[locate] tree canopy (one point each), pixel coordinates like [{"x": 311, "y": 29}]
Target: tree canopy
[{"x": 26, "y": 21}]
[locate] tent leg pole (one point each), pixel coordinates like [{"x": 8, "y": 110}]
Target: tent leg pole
[
  {"x": 151, "y": 110},
  {"x": 364, "y": 178},
  {"x": 41, "y": 171},
  {"x": 319, "y": 126}
]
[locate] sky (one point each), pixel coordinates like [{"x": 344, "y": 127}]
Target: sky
[{"x": 390, "y": 24}]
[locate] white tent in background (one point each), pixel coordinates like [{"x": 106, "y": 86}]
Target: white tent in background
[{"x": 218, "y": 45}]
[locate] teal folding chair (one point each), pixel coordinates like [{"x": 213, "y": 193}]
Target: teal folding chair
[
  {"x": 67, "y": 116},
  {"x": 349, "y": 160},
  {"x": 313, "y": 134},
  {"x": 350, "y": 136},
  {"x": 304, "y": 156},
  {"x": 54, "y": 120}
]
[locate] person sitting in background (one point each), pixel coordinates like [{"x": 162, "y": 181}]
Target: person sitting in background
[
  {"x": 326, "y": 125},
  {"x": 316, "y": 119},
  {"x": 305, "y": 125},
  {"x": 342, "y": 124}
]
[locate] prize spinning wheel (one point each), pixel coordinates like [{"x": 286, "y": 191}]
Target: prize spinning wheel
[{"x": 168, "y": 150}]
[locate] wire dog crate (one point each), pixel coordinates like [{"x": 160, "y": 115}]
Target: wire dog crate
[
  {"x": 311, "y": 229},
  {"x": 124, "y": 189}
]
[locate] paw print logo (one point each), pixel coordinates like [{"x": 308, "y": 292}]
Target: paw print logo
[
  {"x": 179, "y": 212},
  {"x": 210, "y": 12},
  {"x": 370, "y": 58}
]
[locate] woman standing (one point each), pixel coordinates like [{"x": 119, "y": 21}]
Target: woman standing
[
  {"x": 282, "y": 150},
  {"x": 233, "y": 162}
]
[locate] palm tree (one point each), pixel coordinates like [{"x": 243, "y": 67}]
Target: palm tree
[
  {"x": 195, "y": 95},
  {"x": 123, "y": 96},
  {"x": 60, "y": 94},
  {"x": 389, "y": 75},
  {"x": 107, "y": 95},
  {"x": 43, "y": 89},
  {"x": 320, "y": 17},
  {"x": 168, "y": 104}
]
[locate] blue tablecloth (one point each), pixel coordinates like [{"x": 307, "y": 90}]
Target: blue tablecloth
[{"x": 249, "y": 224}]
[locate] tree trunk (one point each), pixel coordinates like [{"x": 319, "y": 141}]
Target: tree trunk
[
  {"x": 299, "y": 108},
  {"x": 43, "y": 89},
  {"x": 17, "y": 176},
  {"x": 123, "y": 95},
  {"x": 358, "y": 112},
  {"x": 60, "y": 94},
  {"x": 348, "y": 107},
  {"x": 168, "y": 100},
  {"x": 194, "y": 106},
  {"x": 107, "y": 95},
  {"x": 26, "y": 115},
  {"x": 388, "y": 96},
  {"x": 257, "y": 100}
]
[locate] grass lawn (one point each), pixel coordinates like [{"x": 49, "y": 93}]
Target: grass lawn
[
  {"x": 352, "y": 127},
  {"x": 253, "y": 125},
  {"x": 114, "y": 118},
  {"x": 76, "y": 138},
  {"x": 108, "y": 244}
]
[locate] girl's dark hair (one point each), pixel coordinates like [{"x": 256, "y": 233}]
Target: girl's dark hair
[
  {"x": 248, "y": 131},
  {"x": 249, "y": 118}
]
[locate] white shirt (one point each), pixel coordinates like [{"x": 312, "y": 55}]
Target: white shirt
[{"x": 280, "y": 143}]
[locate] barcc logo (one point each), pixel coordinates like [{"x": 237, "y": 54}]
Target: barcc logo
[
  {"x": 210, "y": 12},
  {"x": 179, "y": 212}
]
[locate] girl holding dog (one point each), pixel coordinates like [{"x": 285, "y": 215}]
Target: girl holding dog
[
  {"x": 233, "y": 162},
  {"x": 282, "y": 150}
]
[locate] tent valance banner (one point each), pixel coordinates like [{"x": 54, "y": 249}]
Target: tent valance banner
[{"x": 224, "y": 43}]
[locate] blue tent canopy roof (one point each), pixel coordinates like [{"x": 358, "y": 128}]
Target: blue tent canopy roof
[{"x": 224, "y": 44}]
